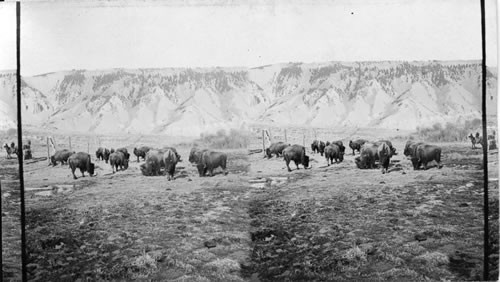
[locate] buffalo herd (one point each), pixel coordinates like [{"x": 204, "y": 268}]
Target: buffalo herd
[
  {"x": 156, "y": 161},
  {"x": 380, "y": 151}
]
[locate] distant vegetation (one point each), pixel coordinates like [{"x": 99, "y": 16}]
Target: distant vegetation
[
  {"x": 221, "y": 140},
  {"x": 451, "y": 132},
  {"x": 11, "y": 132}
]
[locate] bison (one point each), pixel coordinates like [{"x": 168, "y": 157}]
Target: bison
[
  {"x": 425, "y": 153},
  {"x": 410, "y": 147},
  {"x": 99, "y": 154},
  {"x": 211, "y": 160},
  {"x": 124, "y": 151},
  {"x": 118, "y": 160},
  {"x": 61, "y": 156},
  {"x": 333, "y": 152},
  {"x": 10, "y": 150},
  {"x": 392, "y": 150},
  {"x": 356, "y": 145},
  {"x": 296, "y": 153},
  {"x": 384, "y": 153},
  {"x": 367, "y": 156},
  {"x": 170, "y": 161},
  {"x": 141, "y": 152},
  {"x": 106, "y": 155},
  {"x": 276, "y": 148},
  {"x": 152, "y": 166},
  {"x": 82, "y": 161},
  {"x": 195, "y": 155},
  {"x": 338, "y": 143}
]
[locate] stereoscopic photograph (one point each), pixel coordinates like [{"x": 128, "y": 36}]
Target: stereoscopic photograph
[{"x": 250, "y": 140}]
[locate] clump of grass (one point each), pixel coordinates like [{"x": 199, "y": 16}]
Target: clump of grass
[
  {"x": 355, "y": 255},
  {"x": 143, "y": 266},
  {"x": 432, "y": 258},
  {"x": 223, "y": 266},
  {"x": 233, "y": 139}
]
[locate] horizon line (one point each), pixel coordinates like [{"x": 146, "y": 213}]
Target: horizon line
[{"x": 248, "y": 67}]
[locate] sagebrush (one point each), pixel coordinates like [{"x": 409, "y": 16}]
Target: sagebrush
[{"x": 233, "y": 139}]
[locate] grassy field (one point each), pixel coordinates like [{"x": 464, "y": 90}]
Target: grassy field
[{"x": 258, "y": 223}]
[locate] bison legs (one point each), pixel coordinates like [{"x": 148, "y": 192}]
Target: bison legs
[{"x": 288, "y": 165}]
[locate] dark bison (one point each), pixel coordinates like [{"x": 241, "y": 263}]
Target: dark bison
[
  {"x": 163, "y": 150},
  {"x": 141, "y": 152},
  {"x": 195, "y": 155},
  {"x": 367, "y": 156},
  {"x": 152, "y": 166},
  {"x": 211, "y": 160},
  {"x": 315, "y": 146},
  {"x": 297, "y": 154},
  {"x": 99, "y": 154},
  {"x": 61, "y": 156},
  {"x": 424, "y": 154},
  {"x": 106, "y": 155},
  {"x": 338, "y": 143},
  {"x": 276, "y": 149},
  {"x": 389, "y": 143},
  {"x": 125, "y": 152},
  {"x": 333, "y": 152},
  {"x": 478, "y": 139},
  {"x": 410, "y": 147},
  {"x": 82, "y": 161},
  {"x": 111, "y": 150},
  {"x": 170, "y": 161},
  {"x": 356, "y": 145},
  {"x": 117, "y": 160},
  {"x": 384, "y": 153}
]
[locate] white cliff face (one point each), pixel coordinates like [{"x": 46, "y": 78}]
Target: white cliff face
[{"x": 192, "y": 101}]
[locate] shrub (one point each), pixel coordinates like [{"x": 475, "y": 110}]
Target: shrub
[
  {"x": 451, "y": 132},
  {"x": 222, "y": 140}
]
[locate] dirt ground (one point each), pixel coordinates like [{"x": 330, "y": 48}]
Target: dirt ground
[{"x": 259, "y": 222}]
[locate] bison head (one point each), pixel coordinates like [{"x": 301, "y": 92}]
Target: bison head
[
  {"x": 125, "y": 163},
  {"x": 359, "y": 163},
  {"x": 111, "y": 151},
  {"x": 53, "y": 160},
  {"x": 91, "y": 169},
  {"x": 146, "y": 169},
  {"x": 306, "y": 162},
  {"x": 268, "y": 153},
  {"x": 201, "y": 169}
]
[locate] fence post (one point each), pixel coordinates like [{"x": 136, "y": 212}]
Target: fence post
[
  {"x": 263, "y": 144},
  {"x": 48, "y": 150},
  {"x": 285, "y": 137}
]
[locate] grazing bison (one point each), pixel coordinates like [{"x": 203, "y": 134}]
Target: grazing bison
[
  {"x": 367, "y": 156},
  {"x": 82, "y": 161},
  {"x": 356, "y": 145},
  {"x": 170, "y": 161},
  {"x": 211, "y": 160},
  {"x": 99, "y": 154},
  {"x": 125, "y": 152},
  {"x": 117, "y": 160},
  {"x": 384, "y": 153},
  {"x": 61, "y": 156},
  {"x": 141, "y": 152},
  {"x": 333, "y": 152},
  {"x": 424, "y": 154},
  {"x": 276, "y": 149},
  {"x": 321, "y": 147},
  {"x": 27, "y": 146},
  {"x": 297, "y": 154},
  {"x": 152, "y": 166}
]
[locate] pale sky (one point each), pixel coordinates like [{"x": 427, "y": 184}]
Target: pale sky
[{"x": 62, "y": 36}]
